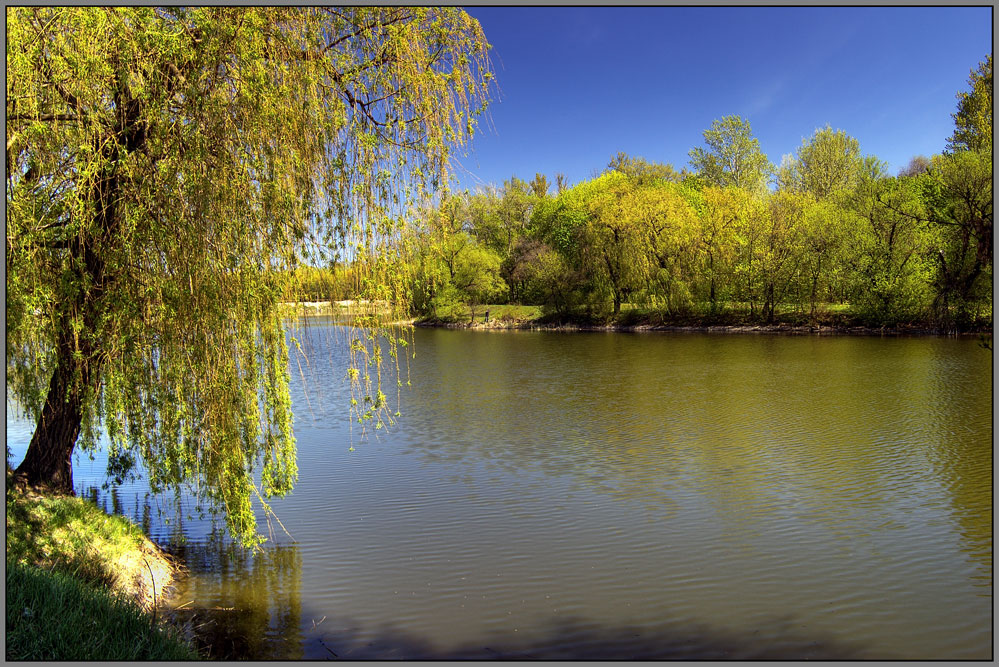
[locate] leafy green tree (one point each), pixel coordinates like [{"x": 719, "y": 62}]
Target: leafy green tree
[
  {"x": 733, "y": 156},
  {"x": 888, "y": 251},
  {"x": 455, "y": 272},
  {"x": 163, "y": 164},
  {"x": 450, "y": 266},
  {"x": 822, "y": 229},
  {"x": 828, "y": 163},
  {"x": 747, "y": 274},
  {"x": 476, "y": 276},
  {"x": 553, "y": 222},
  {"x": 481, "y": 217},
  {"x": 559, "y": 221},
  {"x": 958, "y": 192},
  {"x": 670, "y": 235},
  {"x": 511, "y": 215},
  {"x": 612, "y": 239},
  {"x": 597, "y": 239},
  {"x": 433, "y": 244},
  {"x": 641, "y": 171},
  {"x": 545, "y": 277},
  {"x": 779, "y": 251},
  {"x": 772, "y": 248},
  {"x": 973, "y": 119},
  {"x": 539, "y": 186},
  {"x": 499, "y": 218},
  {"x": 721, "y": 212}
]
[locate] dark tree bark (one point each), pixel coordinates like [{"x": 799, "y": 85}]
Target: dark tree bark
[
  {"x": 769, "y": 304},
  {"x": 49, "y": 461}
]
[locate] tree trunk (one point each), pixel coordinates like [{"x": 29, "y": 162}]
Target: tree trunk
[
  {"x": 769, "y": 304},
  {"x": 815, "y": 287},
  {"x": 711, "y": 272},
  {"x": 48, "y": 461}
]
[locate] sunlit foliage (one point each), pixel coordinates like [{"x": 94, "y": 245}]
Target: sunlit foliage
[
  {"x": 165, "y": 168},
  {"x": 732, "y": 156},
  {"x": 973, "y": 119}
]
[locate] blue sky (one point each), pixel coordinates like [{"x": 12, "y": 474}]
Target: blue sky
[{"x": 579, "y": 84}]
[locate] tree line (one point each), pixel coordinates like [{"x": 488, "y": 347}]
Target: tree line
[{"x": 827, "y": 229}]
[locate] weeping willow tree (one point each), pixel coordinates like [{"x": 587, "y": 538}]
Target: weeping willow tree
[{"x": 162, "y": 167}]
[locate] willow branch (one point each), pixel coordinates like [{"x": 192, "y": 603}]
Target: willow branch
[
  {"x": 357, "y": 32},
  {"x": 44, "y": 117}
]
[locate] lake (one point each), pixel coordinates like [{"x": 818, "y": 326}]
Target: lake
[{"x": 616, "y": 495}]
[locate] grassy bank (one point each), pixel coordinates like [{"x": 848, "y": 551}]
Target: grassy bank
[
  {"x": 81, "y": 583},
  {"x": 53, "y": 615}
]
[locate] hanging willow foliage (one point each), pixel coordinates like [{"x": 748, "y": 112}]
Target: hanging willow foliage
[{"x": 163, "y": 166}]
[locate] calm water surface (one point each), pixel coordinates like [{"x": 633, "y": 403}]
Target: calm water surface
[{"x": 602, "y": 495}]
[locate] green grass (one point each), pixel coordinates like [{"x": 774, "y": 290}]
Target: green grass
[
  {"x": 506, "y": 312},
  {"x": 74, "y": 535},
  {"x": 81, "y": 583},
  {"x": 52, "y": 615}
]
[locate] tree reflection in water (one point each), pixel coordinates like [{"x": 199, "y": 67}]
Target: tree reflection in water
[{"x": 244, "y": 604}]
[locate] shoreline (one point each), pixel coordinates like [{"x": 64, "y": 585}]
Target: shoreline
[
  {"x": 307, "y": 309},
  {"x": 789, "y": 329}
]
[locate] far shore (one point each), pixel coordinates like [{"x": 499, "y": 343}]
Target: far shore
[
  {"x": 716, "y": 328},
  {"x": 507, "y": 320},
  {"x": 344, "y": 306}
]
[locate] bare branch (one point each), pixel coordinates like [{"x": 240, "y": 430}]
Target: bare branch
[
  {"x": 357, "y": 32},
  {"x": 176, "y": 73},
  {"x": 44, "y": 117},
  {"x": 70, "y": 99},
  {"x": 915, "y": 218}
]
